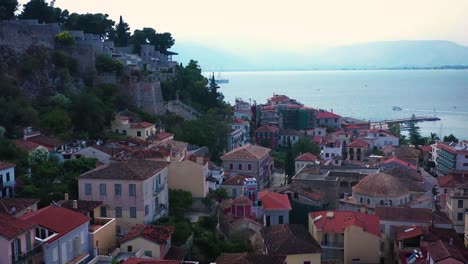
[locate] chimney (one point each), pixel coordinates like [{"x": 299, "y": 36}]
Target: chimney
[
  {"x": 199, "y": 160},
  {"x": 75, "y": 204},
  {"x": 66, "y": 196},
  {"x": 451, "y": 242},
  {"x": 28, "y": 210}
]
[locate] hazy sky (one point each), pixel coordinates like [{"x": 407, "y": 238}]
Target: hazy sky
[{"x": 288, "y": 25}]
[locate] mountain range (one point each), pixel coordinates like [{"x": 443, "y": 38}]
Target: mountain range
[{"x": 375, "y": 55}]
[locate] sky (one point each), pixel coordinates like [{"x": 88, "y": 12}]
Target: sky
[{"x": 272, "y": 25}]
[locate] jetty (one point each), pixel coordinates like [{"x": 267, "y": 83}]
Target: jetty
[{"x": 384, "y": 123}]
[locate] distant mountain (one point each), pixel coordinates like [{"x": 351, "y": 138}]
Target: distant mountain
[{"x": 375, "y": 55}]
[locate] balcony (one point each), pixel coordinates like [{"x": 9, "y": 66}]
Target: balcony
[
  {"x": 35, "y": 252},
  {"x": 333, "y": 245},
  {"x": 159, "y": 189}
]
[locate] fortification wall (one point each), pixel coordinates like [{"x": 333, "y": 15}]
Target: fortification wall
[
  {"x": 147, "y": 95},
  {"x": 19, "y": 35}
]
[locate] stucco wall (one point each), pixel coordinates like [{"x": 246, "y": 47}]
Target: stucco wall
[
  {"x": 189, "y": 176},
  {"x": 361, "y": 245},
  {"x": 300, "y": 258}
]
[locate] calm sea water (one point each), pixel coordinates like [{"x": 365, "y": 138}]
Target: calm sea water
[{"x": 368, "y": 95}]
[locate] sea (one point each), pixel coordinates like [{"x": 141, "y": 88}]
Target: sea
[{"x": 365, "y": 94}]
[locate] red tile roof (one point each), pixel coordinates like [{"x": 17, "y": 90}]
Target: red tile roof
[
  {"x": 237, "y": 120},
  {"x": 141, "y": 125},
  {"x": 26, "y": 145},
  {"x": 325, "y": 114},
  {"x": 450, "y": 181},
  {"x": 237, "y": 180},
  {"x": 10, "y": 226},
  {"x": 279, "y": 97},
  {"x": 306, "y": 157},
  {"x": 439, "y": 251},
  {"x": 247, "y": 152},
  {"x": 57, "y": 219},
  {"x": 416, "y": 215},
  {"x": 131, "y": 169},
  {"x": 401, "y": 162},
  {"x": 267, "y": 128},
  {"x": 343, "y": 219},
  {"x": 20, "y": 204},
  {"x": 317, "y": 139},
  {"x": 4, "y": 165},
  {"x": 47, "y": 141},
  {"x": 149, "y": 261},
  {"x": 274, "y": 201},
  {"x": 153, "y": 233},
  {"x": 83, "y": 206},
  {"x": 426, "y": 148},
  {"x": 358, "y": 143},
  {"x": 241, "y": 200},
  {"x": 289, "y": 239},
  {"x": 405, "y": 232}
]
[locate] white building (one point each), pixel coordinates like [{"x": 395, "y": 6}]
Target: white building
[
  {"x": 329, "y": 150},
  {"x": 7, "y": 179},
  {"x": 380, "y": 138}
]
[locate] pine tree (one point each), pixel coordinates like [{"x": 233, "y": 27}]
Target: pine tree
[
  {"x": 414, "y": 133},
  {"x": 122, "y": 34}
]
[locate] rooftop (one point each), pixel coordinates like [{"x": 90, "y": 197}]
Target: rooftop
[
  {"x": 358, "y": 143},
  {"x": 416, "y": 215},
  {"x": 141, "y": 125},
  {"x": 237, "y": 180},
  {"x": 274, "y": 201},
  {"x": 381, "y": 185},
  {"x": 338, "y": 221},
  {"x": 306, "y": 157},
  {"x": 289, "y": 239},
  {"x": 241, "y": 200},
  {"x": 153, "y": 233},
  {"x": 57, "y": 219},
  {"x": 46, "y": 141},
  {"x": 267, "y": 128},
  {"x": 149, "y": 261},
  {"x": 450, "y": 181},
  {"x": 247, "y": 152},
  {"x": 10, "y": 226},
  {"x": 131, "y": 169},
  {"x": 325, "y": 114},
  {"x": 83, "y": 206},
  {"x": 19, "y": 204},
  {"x": 248, "y": 258},
  {"x": 442, "y": 250},
  {"x": 405, "y": 232},
  {"x": 401, "y": 162},
  {"x": 4, "y": 165}
]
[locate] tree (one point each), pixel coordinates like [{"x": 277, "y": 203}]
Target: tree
[
  {"x": 7, "y": 9},
  {"x": 450, "y": 138},
  {"x": 289, "y": 162},
  {"x": 215, "y": 195},
  {"x": 304, "y": 145},
  {"x": 87, "y": 114},
  {"x": 432, "y": 138},
  {"x": 64, "y": 38},
  {"x": 98, "y": 24},
  {"x": 122, "y": 34},
  {"x": 180, "y": 202},
  {"x": 38, "y": 156},
  {"x": 163, "y": 42},
  {"x": 414, "y": 133},
  {"x": 105, "y": 63},
  {"x": 56, "y": 122},
  {"x": 40, "y": 10}
]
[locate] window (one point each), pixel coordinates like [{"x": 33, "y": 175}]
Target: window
[
  {"x": 132, "y": 189},
  {"x": 234, "y": 193},
  {"x": 296, "y": 196},
  {"x": 146, "y": 210},
  {"x": 124, "y": 132},
  {"x": 280, "y": 219},
  {"x": 116, "y": 131},
  {"x": 460, "y": 203},
  {"x": 231, "y": 166},
  {"x": 7, "y": 176},
  {"x": 118, "y": 189},
  {"x": 138, "y": 133},
  {"x": 147, "y": 132},
  {"x": 129, "y": 249},
  {"x": 306, "y": 262},
  {"x": 148, "y": 253},
  {"x": 102, "y": 189},
  {"x": 132, "y": 212},
  {"x": 88, "y": 189},
  {"x": 327, "y": 155},
  {"x": 460, "y": 217},
  {"x": 103, "y": 211},
  {"x": 249, "y": 167},
  {"x": 465, "y": 164},
  {"x": 117, "y": 229},
  {"x": 118, "y": 211}
]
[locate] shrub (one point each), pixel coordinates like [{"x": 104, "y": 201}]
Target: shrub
[{"x": 64, "y": 38}]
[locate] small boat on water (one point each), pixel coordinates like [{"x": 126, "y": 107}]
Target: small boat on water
[{"x": 397, "y": 108}]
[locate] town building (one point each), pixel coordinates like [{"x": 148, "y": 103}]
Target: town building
[
  {"x": 248, "y": 258},
  {"x": 241, "y": 185},
  {"x": 123, "y": 125},
  {"x": 289, "y": 136},
  {"x": 17, "y": 206},
  {"x": 293, "y": 242},
  {"x": 330, "y": 150},
  {"x": 328, "y": 119},
  {"x": 397, "y": 163},
  {"x": 250, "y": 160},
  {"x": 239, "y": 135},
  {"x": 303, "y": 160},
  {"x": 267, "y": 135},
  {"x": 242, "y": 109},
  {"x": 62, "y": 233},
  {"x": 346, "y": 236},
  {"x": 154, "y": 241},
  {"x": 295, "y": 116},
  {"x": 301, "y": 194},
  {"x": 450, "y": 157},
  {"x": 456, "y": 206},
  {"x": 7, "y": 179},
  {"x": 134, "y": 191},
  {"x": 357, "y": 150},
  {"x": 379, "y": 138},
  {"x": 274, "y": 208},
  {"x": 103, "y": 153}
]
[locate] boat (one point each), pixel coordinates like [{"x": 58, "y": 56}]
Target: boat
[
  {"x": 220, "y": 80},
  {"x": 397, "y": 108}
]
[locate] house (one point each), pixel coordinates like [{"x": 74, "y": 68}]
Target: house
[
  {"x": 341, "y": 136},
  {"x": 450, "y": 157},
  {"x": 241, "y": 185},
  {"x": 242, "y": 109},
  {"x": 289, "y": 135},
  {"x": 291, "y": 241},
  {"x": 304, "y": 159},
  {"x": 249, "y": 258},
  {"x": 346, "y": 236},
  {"x": 102, "y": 230},
  {"x": 154, "y": 241},
  {"x": 408, "y": 154},
  {"x": 296, "y": 116},
  {"x": 328, "y": 119},
  {"x": 63, "y": 234},
  {"x": 267, "y": 135},
  {"x": 240, "y": 133},
  {"x": 393, "y": 217},
  {"x": 455, "y": 207},
  {"x": 376, "y": 189},
  {"x": 17, "y": 206},
  {"x": 357, "y": 150},
  {"x": 300, "y": 193},
  {"x": 133, "y": 191},
  {"x": 277, "y": 99},
  {"x": 275, "y": 208},
  {"x": 379, "y": 138},
  {"x": 103, "y": 153},
  {"x": 318, "y": 131},
  {"x": 397, "y": 163},
  {"x": 446, "y": 184},
  {"x": 123, "y": 125},
  {"x": 17, "y": 243},
  {"x": 7, "y": 179},
  {"x": 250, "y": 160},
  {"x": 330, "y": 150}
]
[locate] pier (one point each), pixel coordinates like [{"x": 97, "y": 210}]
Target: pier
[{"x": 384, "y": 123}]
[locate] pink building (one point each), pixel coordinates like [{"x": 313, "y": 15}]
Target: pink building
[{"x": 133, "y": 191}]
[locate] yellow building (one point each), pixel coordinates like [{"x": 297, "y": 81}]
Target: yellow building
[
  {"x": 357, "y": 150},
  {"x": 291, "y": 241},
  {"x": 153, "y": 241},
  {"x": 346, "y": 236},
  {"x": 141, "y": 130}
]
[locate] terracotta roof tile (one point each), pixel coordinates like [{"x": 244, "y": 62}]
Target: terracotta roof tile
[
  {"x": 26, "y": 145},
  {"x": 131, "y": 169},
  {"x": 325, "y": 114},
  {"x": 274, "y": 201},
  {"x": 306, "y": 157},
  {"x": 141, "y": 125},
  {"x": 153, "y": 233},
  {"x": 289, "y": 239},
  {"x": 83, "y": 206},
  {"x": 405, "y": 232},
  {"x": 343, "y": 219},
  {"x": 20, "y": 204},
  {"x": 57, "y": 219},
  {"x": 401, "y": 162},
  {"x": 46, "y": 141},
  {"x": 267, "y": 128},
  {"x": 236, "y": 180},
  {"x": 300, "y": 189},
  {"x": 380, "y": 184},
  {"x": 237, "y": 120},
  {"x": 10, "y": 226},
  {"x": 4, "y": 165},
  {"x": 450, "y": 181},
  {"x": 249, "y": 258},
  {"x": 405, "y": 173},
  {"x": 442, "y": 250},
  {"x": 358, "y": 143},
  {"x": 247, "y": 152},
  {"x": 417, "y": 215}
]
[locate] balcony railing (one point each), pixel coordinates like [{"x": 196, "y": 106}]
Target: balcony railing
[
  {"x": 28, "y": 255},
  {"x": 333, "y": 245},
  {"x": 159, "y": 189}
]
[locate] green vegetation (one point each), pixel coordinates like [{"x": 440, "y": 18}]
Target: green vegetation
[
  {"x": 7, "y": 9},
  {"x": 180, "y": 202},
  {"x": 414, "y": 133},
  {"x": 450, "y": 138},
  {"x": 40, "y": 10},
  {"x": 106, "y": 64},
  {"x": 304, "y": 145},
  {"x": 98, "y": 24},
  {"x": 122, "y": 34},
  {"x": 64, "y": 38},
  {"x": 161, "y": 41}
]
